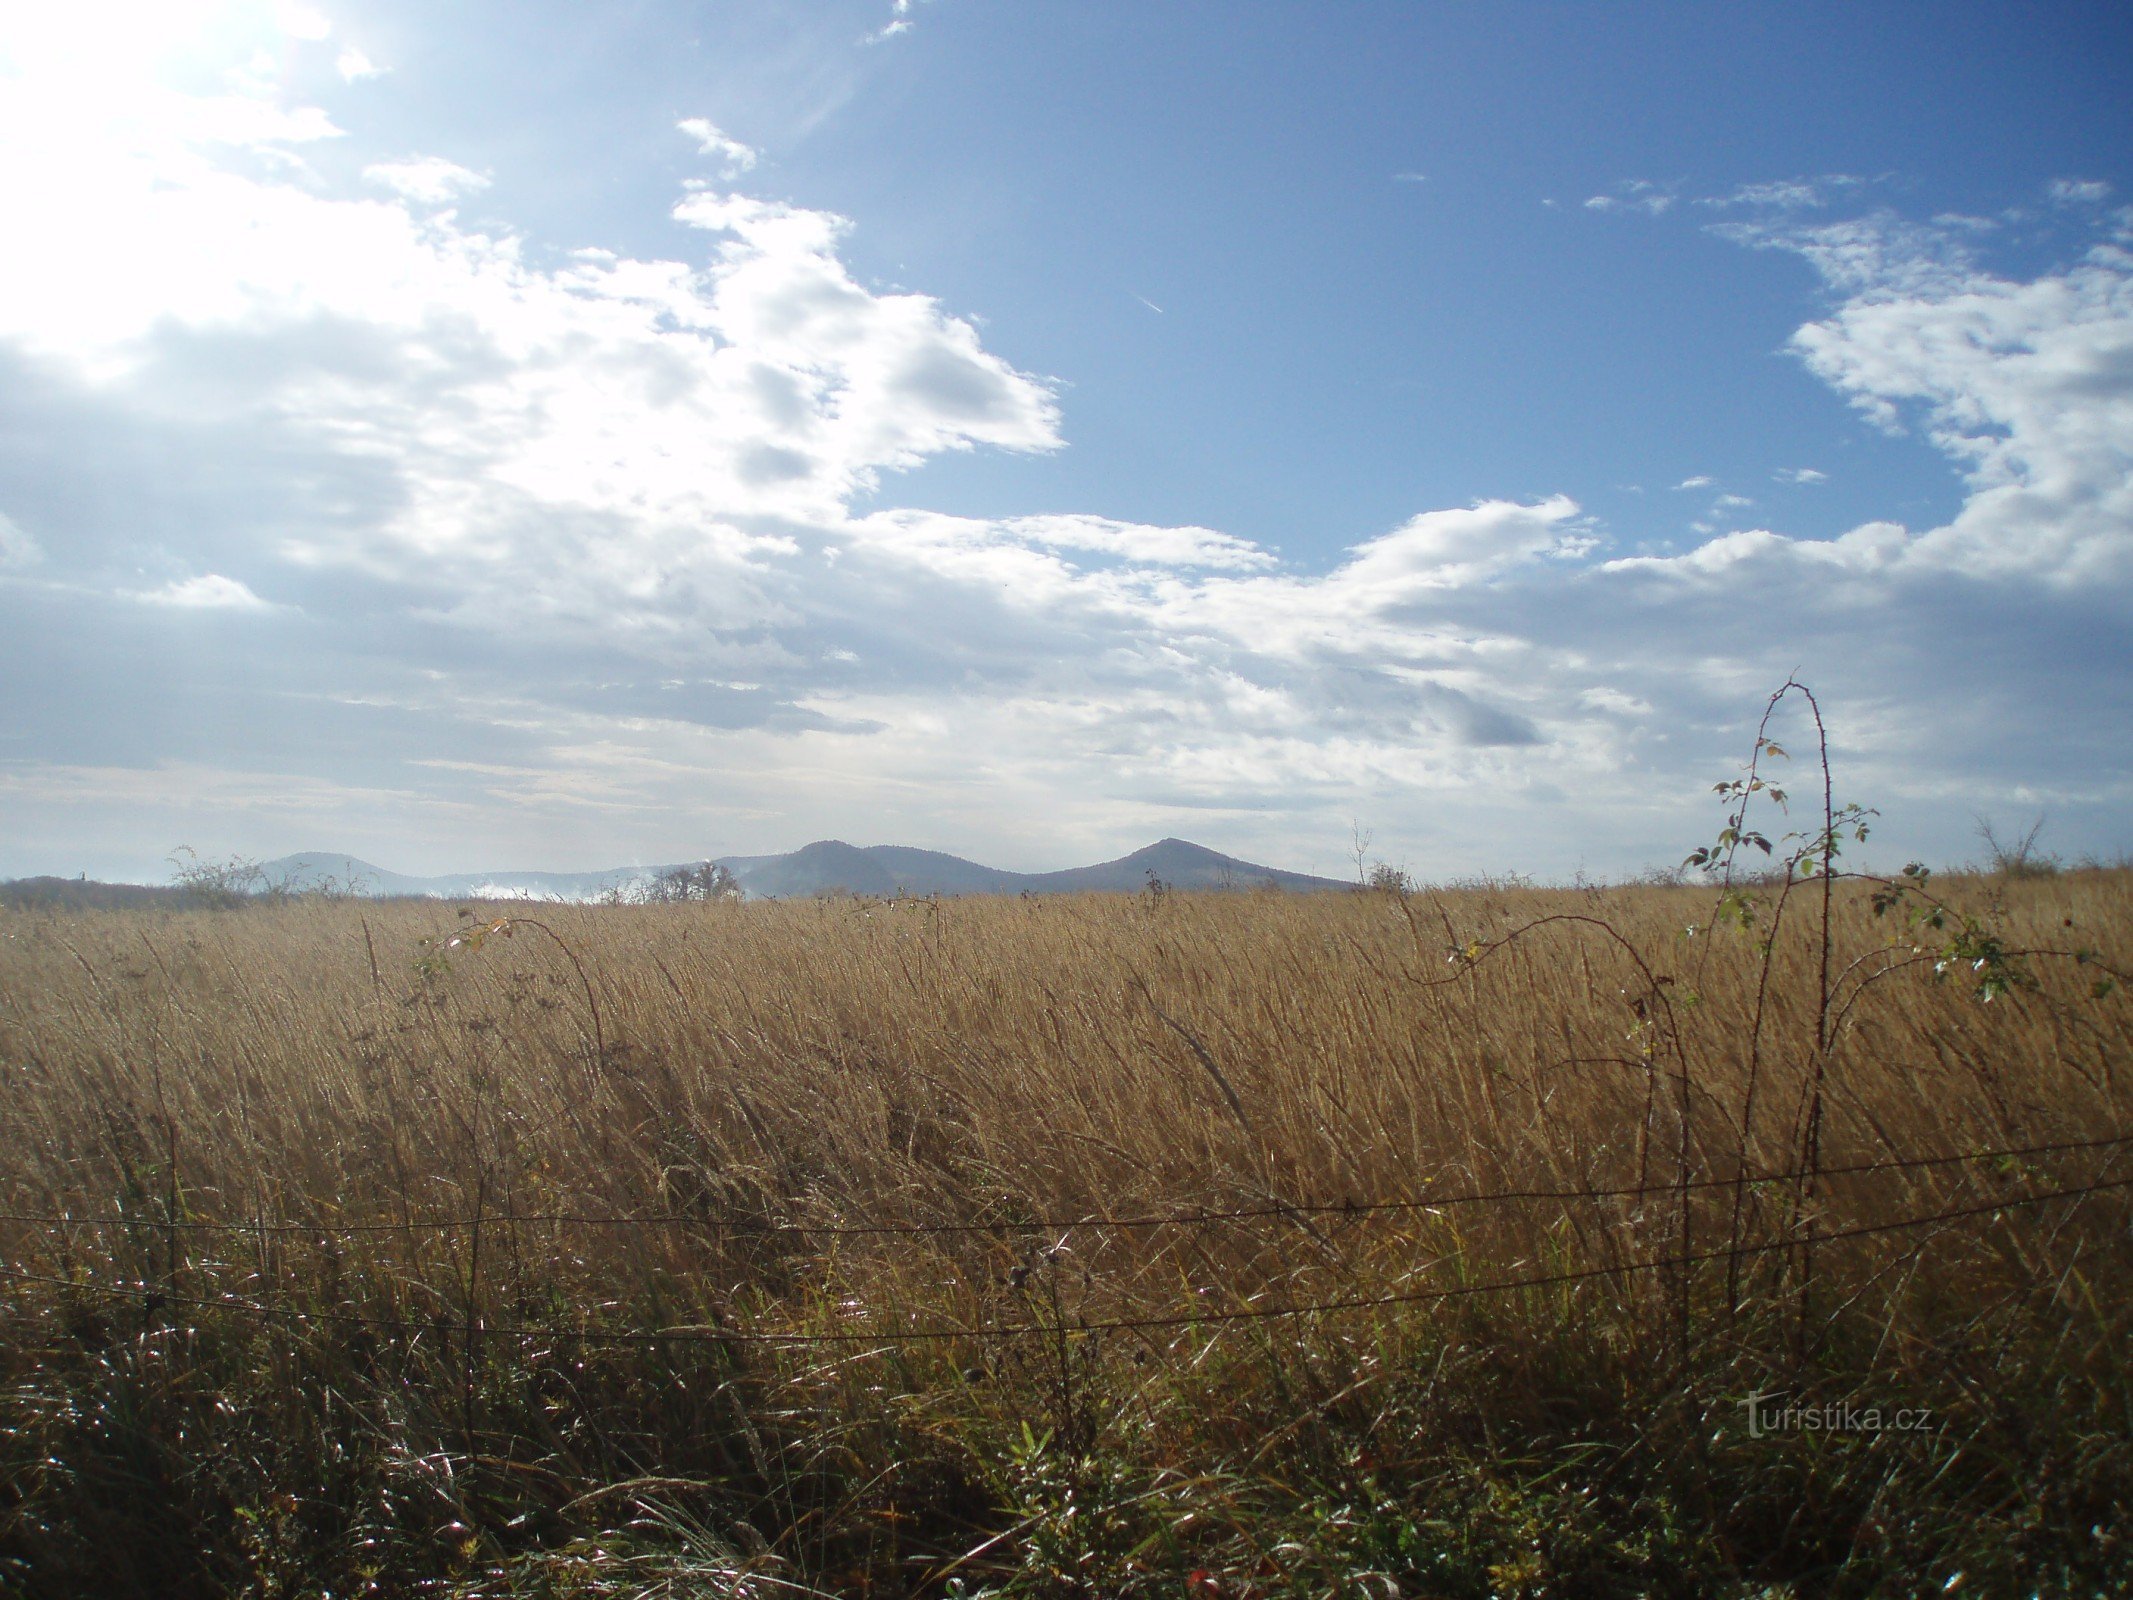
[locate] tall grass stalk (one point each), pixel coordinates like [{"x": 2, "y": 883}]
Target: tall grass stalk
[{"x": 337, "y": 1258}]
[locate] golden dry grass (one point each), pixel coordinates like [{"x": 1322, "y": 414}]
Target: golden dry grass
[{"x": 304, "y": 1109}]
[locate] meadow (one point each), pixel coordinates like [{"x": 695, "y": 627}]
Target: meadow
[{"x": 1485, "y": 1241}]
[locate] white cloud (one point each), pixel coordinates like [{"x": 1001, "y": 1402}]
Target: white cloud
[
  {"x": 607, "y": 425},
  {"x": 1731, "y": 502},
  {"x": 1410, "y": 177},
  {"x": 1879, "y": 255},
  {"x": 1871, "y": 549},
  {"x": 616, "y": 537},
  {"x": 209, "y": 592},
  {"x": 2027, "y": 385},
  {"x": 733, "y": 157},
  {"x": 354, "y": 66},
  {"x": 1800, "y": 475},
  {"x": 1788, "y": 194},
  {"x": 2080, "y": 191},
  {"x": 428, "y": 179},
  {"x": 1445, "y": 549},
  {"x": 17, "y": 549},
  {"x": 900, "y": 23},
  {"x": 1635, "y": 194},
  {"x": 1136, "y": 544},
  {"x": 300, "y": 21}
]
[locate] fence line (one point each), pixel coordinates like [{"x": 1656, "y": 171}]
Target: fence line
[
  {"x": 1199, "y": 1218},
  {"x": 697, "y": 1333}
]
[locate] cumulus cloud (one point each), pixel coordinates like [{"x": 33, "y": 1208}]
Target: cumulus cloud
[
  {"x": 626, "y": 431},
  {"x": 1879, "y": 255},
  {"x": 428, "y": 179},
  {"x": 300, "y": 21},
  {"x": 1800, "y": 475},
  {"x": 354, "y": 66},
  {"x": 608, "y": 548},
  {"x": 2027, "y": 385},
  {"x": 1701, "y": 480},
  {"x": 1444, "y": 549}
]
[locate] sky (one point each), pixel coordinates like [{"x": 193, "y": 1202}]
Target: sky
[{"x": 547, "y": 436}]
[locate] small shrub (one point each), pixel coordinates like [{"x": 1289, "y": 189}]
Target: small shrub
[
  {"x": 706, "y": 881},
  {"x": 2016, "y": 855},
  {"x": 219, "y": 885}
]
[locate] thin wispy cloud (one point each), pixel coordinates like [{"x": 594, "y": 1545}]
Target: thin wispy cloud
[
  {"x": 733, "y": 157},
  {"x": 430, "y": 180},
  {"x": 208, "y": 592},
  {"x": 1788, "y": 194},
  {"x": 2080, "y": 191},
  {"x": 1635, "y": 194},
  {"x": 17, "y": 549},
  {"x": 900, "y": 23}
]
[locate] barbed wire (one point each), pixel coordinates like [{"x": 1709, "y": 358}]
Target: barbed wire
[
  {"x": 1200, "y": 1217},
  {"x": 153, "y": 1298}
]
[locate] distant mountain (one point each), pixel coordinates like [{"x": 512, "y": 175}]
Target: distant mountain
[
  {"x": 828, "y": 866},
  {"x": 831, "y": 867},
  {"x": 1180, "y": 864},
  {"x": 932, "y": 872}
]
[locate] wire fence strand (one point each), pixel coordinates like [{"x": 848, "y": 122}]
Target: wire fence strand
[
  {"x": 700, "y": 1333},
  {"x": 1195, "y": 1218}
]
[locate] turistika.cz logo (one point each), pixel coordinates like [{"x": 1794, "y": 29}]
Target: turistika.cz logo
[{"x": 1769, "y": 1413}]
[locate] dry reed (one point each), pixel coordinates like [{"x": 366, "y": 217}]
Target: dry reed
[{"x": 337, "y": 1253}]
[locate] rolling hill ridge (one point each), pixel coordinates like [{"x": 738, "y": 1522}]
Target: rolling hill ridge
[{"x": 828, "y": 866}]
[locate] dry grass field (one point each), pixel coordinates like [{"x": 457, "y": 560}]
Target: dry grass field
[{"x": 1223, "y": 1245}]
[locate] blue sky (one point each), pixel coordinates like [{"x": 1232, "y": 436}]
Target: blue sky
[{"x": 563, "y": 436}]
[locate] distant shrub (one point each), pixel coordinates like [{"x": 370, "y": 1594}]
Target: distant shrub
[
  {"x": 218, "y": 885},
  {"x": 707, "y": 880},
  {"x": 2016, "y": 855},
  {"x": 1389, "y": 879},
  {"x": 234, "y": 881}
]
